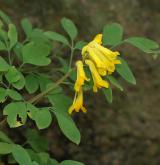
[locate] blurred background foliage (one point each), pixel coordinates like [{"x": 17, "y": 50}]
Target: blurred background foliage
[{"x": 126, "y": 132}]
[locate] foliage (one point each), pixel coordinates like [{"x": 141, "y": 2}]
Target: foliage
[{"x": 32, "y": 84}]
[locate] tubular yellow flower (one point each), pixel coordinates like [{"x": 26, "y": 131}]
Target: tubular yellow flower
[
  {"x": 95, "y": 58},
  {"x": 77, "y": 103},
  {"x": 103, "y": 58},
  {"x": 98, "y": 39},
  {"x": 81, "y": 77},
  {"x": 98, "y": 81}
]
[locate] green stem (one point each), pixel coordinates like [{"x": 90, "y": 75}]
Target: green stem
[
  {"x": 4, "y": 85},
  {"x": 20, "y": 67},
  {"x": 38, "y": 97},
  {"x": 9, "y": 57},
  {"x": 121, "y": 42}
]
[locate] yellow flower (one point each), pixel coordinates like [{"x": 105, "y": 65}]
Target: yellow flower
[
  {"x": 103, "y": 58},
  {"x": 81, "y": 77},
  {"x": 77, "y": 103},
  {"x": 101, "y": 61},
  {"x": 98, "y": 81},
  {"x": 98, "y": 39}
]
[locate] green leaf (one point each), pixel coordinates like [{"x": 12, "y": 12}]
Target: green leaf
[
  {"x": 52, "y": 162},
  {"x": 56, "y": 37},
  {"x": 2, "y": 46},
  {"x": 13, "y": 94},
  {"x": 64, "y": 65},
  {"x": 4, "y": 66},
  {"x": 1, "y": 24},
  {"x": 143, "y": 44},
  {"x": 31, "y": 110},
  {"x": 12, "y": 35},
  {"x": 5, "y": 148},
  {"x": 21, "y": 155},
  {"x": 69, "y": 27},
  {"x": 34, "y": 156},
  {"x": 3, "y": 95},
  {"x": 34, "y": 163},
  {"x": 108, "y": 94},
  {"x": 32, "y": 83},
  {"x": 56, "y": 101},
  {"x": 112, "y": 34},
  {"x": 36, "y": 53},
  {"x": 70, "y": 162},
  {"x": 5, "y": 17},
  {"x": 68, "y": 127},
  {"x": 13, "y": 75},
  {"x": 4, "y": 36},
  {"x": 115, "y": 82},
  {"x": 27, "y": 26},
  {"x": 42, "y": 158},
  {"x": 37, "y": 35},
  {"x": 65, "y": 121},
  {"x": 44, "y": 81},
  {"x": 5, "y": 138},
  {"x": 43, "y": 118},
  {"x": 18, "y": 51},
  {"x": 16, "y": 113},
  {"x": 124, "y": 70},
  {"x": 80, "y": 44},
  {"x": 20, "y": 83},
  {"x": 37, "y": 142}
]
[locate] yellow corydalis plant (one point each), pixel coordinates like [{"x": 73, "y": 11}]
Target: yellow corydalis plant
[{"x": 101, "y": 62}]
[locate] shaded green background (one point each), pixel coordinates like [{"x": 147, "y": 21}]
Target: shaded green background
[{"x": 128, "y": 131}]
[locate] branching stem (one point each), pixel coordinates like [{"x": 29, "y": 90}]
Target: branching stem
[{"x": 38, "y": 97}]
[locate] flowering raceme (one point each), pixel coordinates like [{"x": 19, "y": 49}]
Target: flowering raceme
[
  {"x": 104, "y": 59},
  {"x": 78, "y": 99},
  {"x": 101, "y": 62}
]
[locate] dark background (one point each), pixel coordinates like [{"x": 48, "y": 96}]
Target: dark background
[{"x": 128, "y": 131}]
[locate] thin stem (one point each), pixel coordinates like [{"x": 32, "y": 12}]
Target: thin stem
[
  {"x": 24, "y": 143},
  {"x": 67, "y": 83},
  {"x": 4, "y": 84},
  {"x": 38, "y": 97},
  {"x": 121, "y": 42},
  {"x": 9, "y": 57},
  {"x": 71, "y": 57},
  {"x": 20, "y": 67}
]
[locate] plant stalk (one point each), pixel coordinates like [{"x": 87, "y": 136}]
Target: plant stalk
[{"x": 38, "y": 97}]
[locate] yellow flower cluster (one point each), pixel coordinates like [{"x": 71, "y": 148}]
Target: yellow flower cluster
[{"x": 101, "y": 62}]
